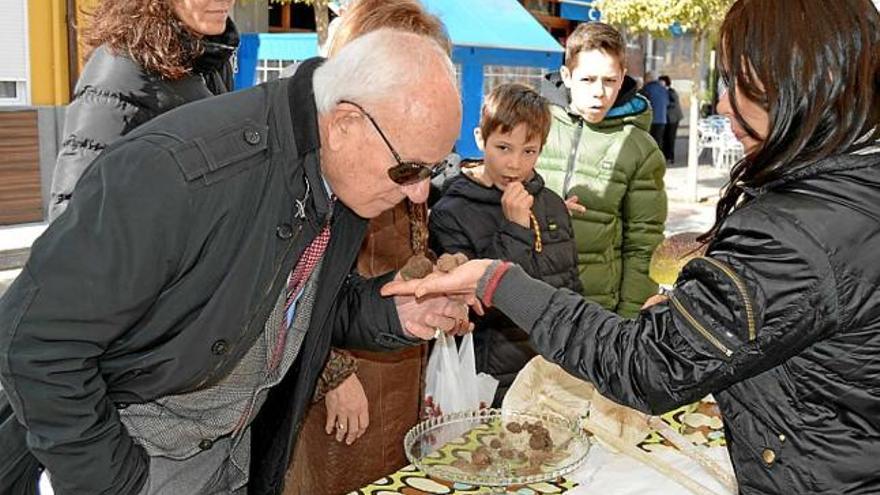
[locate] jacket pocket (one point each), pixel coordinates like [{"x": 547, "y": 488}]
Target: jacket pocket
[
  {"x": 718, "y": 343},
  {"x": 206, "y": 157},
  {"x": 745, "y": 298},
  {"x": 715, "y": 302},
  {"x": 760, "y": 453}
]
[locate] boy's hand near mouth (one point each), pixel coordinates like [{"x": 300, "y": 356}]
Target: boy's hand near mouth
[{"x": 516, "y": 203}]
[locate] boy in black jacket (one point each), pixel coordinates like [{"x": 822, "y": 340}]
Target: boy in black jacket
[{"x": 500, "y": 209}]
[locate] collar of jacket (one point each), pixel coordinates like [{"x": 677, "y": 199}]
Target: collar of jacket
[
  {"x": 304, "y": 117},
  {"x": 635, "y": 111},
  {"x": 863, "y": 157},
  {"x": 217, "y": 49},
  {"x": 628, "y": 90},
  {"x": 637, "y": 104}
]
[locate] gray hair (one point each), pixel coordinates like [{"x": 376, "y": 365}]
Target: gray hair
[{"x": 378, "y": 66}]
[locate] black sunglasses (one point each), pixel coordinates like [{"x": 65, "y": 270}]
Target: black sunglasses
[{"x": 404, "y": 173}]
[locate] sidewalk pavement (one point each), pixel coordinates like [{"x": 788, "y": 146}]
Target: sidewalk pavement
[
  {"x": 684, "y": 214},
  {"x": 688, "y": 216},
  {"x": 15, "y": 241},
  {"x": 19, "y": 236}
]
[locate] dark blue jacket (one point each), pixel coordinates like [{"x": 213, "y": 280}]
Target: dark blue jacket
[{"x": 658, "y": 95}]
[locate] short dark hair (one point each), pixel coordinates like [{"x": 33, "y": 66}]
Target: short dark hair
[
  {"x": 595, "y": 36},
  {"x": 510, "y": 105},
  {"x": 666, "y": 80}
]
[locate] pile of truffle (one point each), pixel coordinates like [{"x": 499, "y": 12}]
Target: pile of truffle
[{"x": 540, "y": 447}]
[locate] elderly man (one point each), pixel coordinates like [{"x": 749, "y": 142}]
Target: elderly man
[{"x": 168, "y": 329}]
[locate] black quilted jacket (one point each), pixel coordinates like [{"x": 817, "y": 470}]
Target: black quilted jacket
[
  {"x": 469, "y": 219},
  {"x": 115, "y": 95},
  {"x": 780, "y": 321}
]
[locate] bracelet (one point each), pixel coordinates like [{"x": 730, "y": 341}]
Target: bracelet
[
  {"x": 493, "y": 282},
  {"x": 339, "y": 366}
]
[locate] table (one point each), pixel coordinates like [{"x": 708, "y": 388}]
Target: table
[{"x": 699, "y": 422}]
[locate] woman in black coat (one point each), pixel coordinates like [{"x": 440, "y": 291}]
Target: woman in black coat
[
  {"x": 780, "y": 320},
  {"x": 148, "y": 56}
]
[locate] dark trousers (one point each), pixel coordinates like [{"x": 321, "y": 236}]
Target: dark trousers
[
  {"x": 670, "y": 134},
  {"x": 657, "y": 131}
]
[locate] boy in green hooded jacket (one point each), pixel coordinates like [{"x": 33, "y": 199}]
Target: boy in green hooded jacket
[{"x": 601, "y": 158}]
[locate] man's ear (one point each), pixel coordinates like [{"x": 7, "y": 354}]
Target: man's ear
[
  {"x": 566, "y": 76},
  {"x": 342, "y": 126},
  {"x": 478, "y": 138}
]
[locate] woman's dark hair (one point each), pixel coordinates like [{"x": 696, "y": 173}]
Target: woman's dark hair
[
  {"x": 147, "y": 31},
  {"x": 815, "y": 67}
]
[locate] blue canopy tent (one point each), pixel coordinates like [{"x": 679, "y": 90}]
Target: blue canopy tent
[
  {"x": 493, "y": 41},
  {"x": 492, "y": 34},
  {"x": 265, "y": 49}
]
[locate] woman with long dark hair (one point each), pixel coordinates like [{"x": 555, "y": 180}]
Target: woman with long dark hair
[
  {"x": 781, "y": 319},
  {"x": 145, "y": 58}
]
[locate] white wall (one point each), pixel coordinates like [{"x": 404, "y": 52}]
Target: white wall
[{"x": 14, "y": 43}]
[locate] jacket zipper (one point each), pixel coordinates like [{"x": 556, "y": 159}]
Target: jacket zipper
[
  {"x": 572, "y": 157},
  {"x": 741, "y": 287},
  {"x": 700, "y": 328}
]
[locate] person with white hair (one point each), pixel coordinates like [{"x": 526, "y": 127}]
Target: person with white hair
[{"x": 167, "y": 332}]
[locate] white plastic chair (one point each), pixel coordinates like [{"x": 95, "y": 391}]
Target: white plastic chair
[{"x": 716, "y": 134}]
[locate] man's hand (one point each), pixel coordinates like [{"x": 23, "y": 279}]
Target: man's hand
[
  {"x": 574, "y": 206},
  {"x": 347, "y": 410},
  {"x": 424, "y": 317},
  {"x": 516, "y": 203}
]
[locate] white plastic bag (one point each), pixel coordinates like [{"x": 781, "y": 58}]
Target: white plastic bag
[{"x": 452, "y": 383}]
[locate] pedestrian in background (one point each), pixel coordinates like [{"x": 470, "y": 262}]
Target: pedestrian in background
[
  {"x": 658, "y": 95},
  {"x": 674, "y": 116}
]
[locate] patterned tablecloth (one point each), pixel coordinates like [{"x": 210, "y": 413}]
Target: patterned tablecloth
[{"x": 699, "y": 422}]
